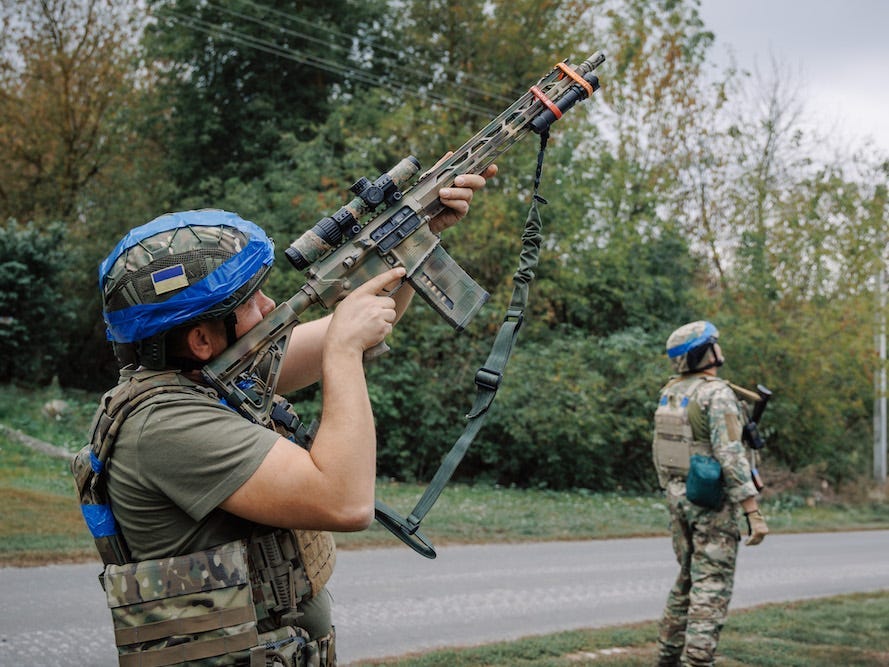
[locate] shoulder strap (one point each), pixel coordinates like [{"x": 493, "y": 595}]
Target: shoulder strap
[
  {"x": 696, "y": 408},
  {"x": 125, "y": 398},
  {"x": 487, "y": 382},
  {"x": 690, "y": 391},
  {"x": 89, "y": 466}
]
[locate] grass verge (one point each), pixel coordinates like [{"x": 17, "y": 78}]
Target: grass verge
[
  {"x": 41, "y": 521},
  {"x": 848, "y": 630}
]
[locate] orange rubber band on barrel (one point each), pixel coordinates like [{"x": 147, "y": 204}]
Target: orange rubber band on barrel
[
  {"x": 540, "y": 95},
  {"x": 587, "y": 86}
]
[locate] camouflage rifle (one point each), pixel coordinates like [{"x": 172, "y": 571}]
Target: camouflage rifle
[
  {"x": 760, "y": 400},
  {"x": 340, "y": 252},
  {"x": 750, "y": 435}
]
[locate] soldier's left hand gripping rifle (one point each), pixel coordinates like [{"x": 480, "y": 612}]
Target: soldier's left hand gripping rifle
[{"x": 341, "y": 252}]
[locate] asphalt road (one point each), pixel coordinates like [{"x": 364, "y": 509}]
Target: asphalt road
[{"x": 392, "y": 601}]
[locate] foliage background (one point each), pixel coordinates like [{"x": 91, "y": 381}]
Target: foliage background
[{"x": 681, "y": 192}]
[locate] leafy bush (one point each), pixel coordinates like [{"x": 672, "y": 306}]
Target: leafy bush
[{"x": 33, "y": 317}]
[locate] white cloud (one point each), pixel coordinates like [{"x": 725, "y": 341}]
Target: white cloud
[{"x": 838, "y": 53}]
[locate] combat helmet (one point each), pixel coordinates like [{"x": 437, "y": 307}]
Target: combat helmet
[
  {"x": 176, "y": 270},
  {"x": 687, "y": 347}
]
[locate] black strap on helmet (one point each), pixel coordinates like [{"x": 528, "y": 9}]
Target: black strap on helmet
[
  {"x": 152, "y": 352},
  {"x": 230, "y": 321},
  {"x": 694, "y": 356}
]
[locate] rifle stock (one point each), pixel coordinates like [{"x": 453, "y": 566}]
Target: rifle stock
[{"x": 340, "y": 252}]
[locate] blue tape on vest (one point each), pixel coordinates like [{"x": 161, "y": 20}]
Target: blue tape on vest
[
  {"x": 99, "y": 520},
  {"x": 95, "y": 463}
]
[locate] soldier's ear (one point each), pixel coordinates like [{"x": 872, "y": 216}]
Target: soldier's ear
[{"x": 205, "y": 340}]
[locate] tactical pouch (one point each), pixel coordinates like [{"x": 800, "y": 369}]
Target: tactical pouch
[
  {"x": 199, "y": 609},
  {"x": 290, "y": 647},
  {"x": 317, "y": 553},
  {"x": 704, "y": 483},
  {"x": 672, "y": 456},
  {"x": 191, "y": 607}
]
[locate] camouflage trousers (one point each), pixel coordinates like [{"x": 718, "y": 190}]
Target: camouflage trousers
[{"x": 706, "y": 546}]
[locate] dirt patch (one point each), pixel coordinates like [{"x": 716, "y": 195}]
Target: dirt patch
[
  {"x": 25, "y": 509},
  {"x": 61, "y": 538},
  {"x": 603, "y": 656}
]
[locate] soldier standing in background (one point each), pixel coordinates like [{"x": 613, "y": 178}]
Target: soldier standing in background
[{"x": 702, "y": 465}]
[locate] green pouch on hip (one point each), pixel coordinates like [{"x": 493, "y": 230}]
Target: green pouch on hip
[{"x": 704, "y": 483}]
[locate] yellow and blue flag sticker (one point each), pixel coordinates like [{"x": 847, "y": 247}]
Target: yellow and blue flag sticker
[{"x": 169, "y": 279}]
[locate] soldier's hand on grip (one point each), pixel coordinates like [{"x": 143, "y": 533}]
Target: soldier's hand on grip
[
  {"x": 365, "y": 317},
  {"x": 756, "y": 527}
]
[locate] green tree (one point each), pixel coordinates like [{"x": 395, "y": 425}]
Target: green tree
[
  {"x": 66, "y": 86},
  {"x": 794, "y": 288},
  {"x": 33, "y": 320},
  {"x": 574, "y": 412},
  {"x": 623, "y": 256},
  {"x": 239, "y": 75},
  {"x": 71, "y": 93}
]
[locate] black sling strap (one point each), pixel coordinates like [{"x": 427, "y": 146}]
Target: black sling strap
[{"x": 487, "y": 381}]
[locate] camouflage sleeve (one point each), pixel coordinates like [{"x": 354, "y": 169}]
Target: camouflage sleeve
[{"x": 725, "y": 436}]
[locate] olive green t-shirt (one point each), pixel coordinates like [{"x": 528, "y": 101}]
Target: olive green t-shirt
[{"x": 176, "y": 458}]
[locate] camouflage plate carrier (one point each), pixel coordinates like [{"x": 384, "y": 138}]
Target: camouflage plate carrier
[
  {"x": 234, "y": 604},
  {"x": 674, "y": 442}
]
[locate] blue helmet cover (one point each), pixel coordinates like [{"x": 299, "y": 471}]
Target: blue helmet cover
[
  {"x": 141, "y": 321},
  {"x": 705, "y": 337}
]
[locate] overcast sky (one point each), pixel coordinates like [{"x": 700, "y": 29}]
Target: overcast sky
[{"x": 837, "y": 52}]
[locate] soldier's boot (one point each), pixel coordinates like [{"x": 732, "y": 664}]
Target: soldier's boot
[
  {"x": 668, "y": 655},
  {"x": 699, "y": 654},
  {"x": 670, "y": 641}
]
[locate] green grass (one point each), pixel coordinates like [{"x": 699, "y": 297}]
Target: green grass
[
  {"x": 467, "y": 514},
  {"x": 848, "y": 630},
  {"x": 41, "y": 520}
]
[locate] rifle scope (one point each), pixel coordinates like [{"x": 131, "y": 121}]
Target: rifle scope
[{"x": 329, "y": 231}]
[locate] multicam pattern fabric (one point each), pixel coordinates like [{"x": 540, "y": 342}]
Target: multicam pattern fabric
[
  {"x": 705, "y": 541},
  {"x": 716, "y": 408},
  {"x": 220, "y": 567},
  {"x": 706, "y": 546},
  {"x": 198, "y": 610},
  {"x": 201, "y": 249},
  {"x": 185, "y": 608}
]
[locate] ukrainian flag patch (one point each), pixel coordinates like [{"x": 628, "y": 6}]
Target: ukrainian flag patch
[{"x": 166, "y": 280}]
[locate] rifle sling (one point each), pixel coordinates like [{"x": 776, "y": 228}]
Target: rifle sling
[{"x": 487, "y": 381}]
